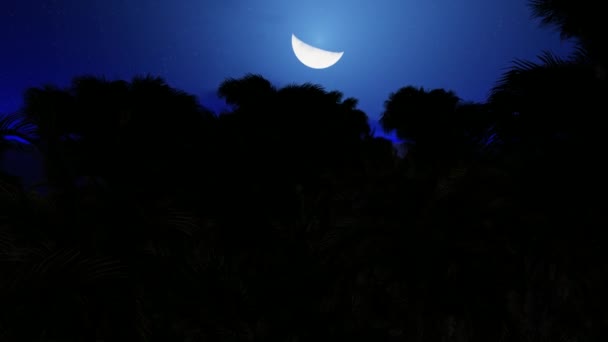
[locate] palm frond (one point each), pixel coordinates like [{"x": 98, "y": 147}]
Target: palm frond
[
  {"x": 521, "y": 68},
  {"x": 18, "y": 124},
  {"x": 61, "y": 267},
  {"x": 581, "y": 55},
  {"x": 554, "y": 14},
  {"x": 16, "y": 254},
  {"x": 17, "y": 131},
  {"x": 329, "y": 239},
  {"x": 9, "y": 190},
  {"x": 551, "y": 60},
  {"x": 55, "y": 260},
  {"x": 312, "y": 88},
  {"x": 101, "y": 268},
  {"x": 7, "y": 241},
  {"x": 183, "y": 221},
  {"x": 546, "y": 11}
]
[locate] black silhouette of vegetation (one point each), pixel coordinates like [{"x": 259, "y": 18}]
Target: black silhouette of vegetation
[{"x": 285, "y": 219}]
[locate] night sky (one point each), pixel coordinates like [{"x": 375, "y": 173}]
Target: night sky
[{"x": 461, "y": 45}]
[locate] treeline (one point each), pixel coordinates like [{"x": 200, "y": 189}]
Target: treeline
[{"x": 285, "y": 219}]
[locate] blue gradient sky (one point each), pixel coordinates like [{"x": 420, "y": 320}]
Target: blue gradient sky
[{"x": 461, "y": 45}]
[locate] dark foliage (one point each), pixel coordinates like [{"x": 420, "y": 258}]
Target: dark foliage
[{"x": 284, "y": 219}]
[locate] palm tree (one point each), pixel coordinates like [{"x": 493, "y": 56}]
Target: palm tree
[
  {"x": 137, "y": 145},
  {"x": 582, "y": 20},
  {"x": 317, "y": 127},
  {"x": 417, "y": 114},
  {"x": 439, "y": 130},
  {"x": 549, "y": 120},
  {"x": 553, "y": 99},
  {"x": 117, "y": 130},
  {"x": 550, "y": 126},
  {"x": 52, "y": 290}
]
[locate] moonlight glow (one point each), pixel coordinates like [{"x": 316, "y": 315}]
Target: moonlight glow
[{"x": 314, "y": 57}]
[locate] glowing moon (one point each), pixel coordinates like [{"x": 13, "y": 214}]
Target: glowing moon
[{"x": 313, "y": 57}]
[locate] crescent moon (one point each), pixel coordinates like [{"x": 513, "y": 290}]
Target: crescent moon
[{"x": 313, "y": 57}]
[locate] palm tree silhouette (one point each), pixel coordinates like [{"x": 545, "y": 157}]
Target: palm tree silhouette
[
  {"x": 582, "y": 20},
  {"x": 439, "y": 130},
  {"x": 548, "y": 124},
  {"x": 116, "y": 130},
  {"x": 137, "y": 146},
  {"x": 552, "y": 100},
  {"x": 284, "y": 219},
  {"x": 292, "y": 134}
]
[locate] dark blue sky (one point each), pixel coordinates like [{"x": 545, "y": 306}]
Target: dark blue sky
[{"x": 460, "y": 45}]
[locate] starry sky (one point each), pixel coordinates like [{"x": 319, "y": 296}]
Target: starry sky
[{"x": 460, "y": 45}]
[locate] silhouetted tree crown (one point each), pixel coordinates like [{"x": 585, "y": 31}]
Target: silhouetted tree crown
[
  {"x": 284, "y": 219},
  {"x": 583, "y": 20},
  {"x": 127, "y": 131}
]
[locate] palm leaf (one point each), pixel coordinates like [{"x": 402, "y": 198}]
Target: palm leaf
[
  {"x": 181, "y": 220},
  {"x": 60, "y": 266},
  {"x": 101, "y": 268},
  {"x": 581, "y": 55},
  {"x": 510, "y": 81},
  {"x": 17, "y": 131},
  {"x": 9, "y": 190},
  {"x": 330, "y": 239},
  {"x": 58, "y": 275},
  {"x": 7, "y": 241},
  {"x": 166, "y": 223}
]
